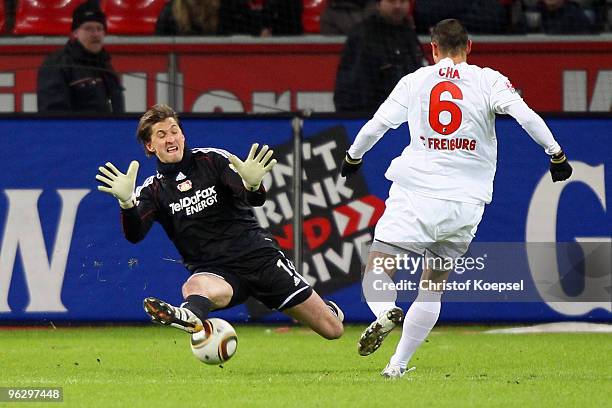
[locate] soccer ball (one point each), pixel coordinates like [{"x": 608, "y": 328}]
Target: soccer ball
[{"x": 216, "y": 343}]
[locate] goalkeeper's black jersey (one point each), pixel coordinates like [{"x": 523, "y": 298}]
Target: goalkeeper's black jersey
[{"x": 204, "y": 208}]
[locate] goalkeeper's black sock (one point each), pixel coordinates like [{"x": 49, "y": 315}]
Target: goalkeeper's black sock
[{"x": 199, "y": 305}]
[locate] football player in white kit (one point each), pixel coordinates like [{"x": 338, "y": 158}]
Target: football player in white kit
[{"x": 442, "y": 180}]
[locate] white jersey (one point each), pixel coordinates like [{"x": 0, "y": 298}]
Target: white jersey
[{"x": 450, "y": 110}]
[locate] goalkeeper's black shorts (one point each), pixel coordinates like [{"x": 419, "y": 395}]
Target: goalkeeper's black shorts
[{"x": 264, "y": 274}]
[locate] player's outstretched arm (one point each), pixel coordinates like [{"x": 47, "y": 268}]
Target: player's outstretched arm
[
  {"x": 119, "y": 185},
  {"x": 367, "y": 137},
  {"x": 534, "y": 125},
  {"x": 253, "y": 169}
]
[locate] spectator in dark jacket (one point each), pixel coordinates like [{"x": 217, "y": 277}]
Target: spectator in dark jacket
[
  {"x": 479, "y": 16},
  {"x": 377, "y": 54},
  {"x": 79, "y": 77},
  {"x": 209, "y": 17},
  {"x": 282, "y": 17},
  {"x": 340, "y": 16},
  {"x": 564, "y": 17}
]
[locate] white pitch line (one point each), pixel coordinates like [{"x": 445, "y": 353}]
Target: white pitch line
[{"x": 558, "y": 327}]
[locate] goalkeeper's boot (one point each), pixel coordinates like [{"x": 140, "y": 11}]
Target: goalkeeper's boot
[
  {"x": 168, "y": 315},
  {"x": 373, "y": 336},
  {"x": 394, "y": 372}
]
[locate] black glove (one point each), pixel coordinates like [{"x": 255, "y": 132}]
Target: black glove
[
  {"x": 560, "y": 168},
  {"x": 350, "y": 166}
]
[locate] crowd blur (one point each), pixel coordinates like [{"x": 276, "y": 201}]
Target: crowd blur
[
  {"x": 333, "y": 17},
  {"x": 382, "y": 36}
]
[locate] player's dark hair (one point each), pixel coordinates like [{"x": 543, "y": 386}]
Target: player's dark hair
[
  {"x": 450, "y": 35},
  {"x": 157, "y": 113}
]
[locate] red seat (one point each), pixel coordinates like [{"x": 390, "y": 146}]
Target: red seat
[
  {"x": 311, "y": 17},
  {"x": 49, "y": 17},
  {"x": 2, "y": 17},
  {"x": 136, "y": 17}
]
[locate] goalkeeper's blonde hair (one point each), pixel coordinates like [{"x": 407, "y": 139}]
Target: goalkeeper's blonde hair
[{"x": 157, "y": 113}]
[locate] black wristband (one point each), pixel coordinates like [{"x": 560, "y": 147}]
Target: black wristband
[
  {"x": 350, "y": 160},
  {"x": 558, "y": 157}
]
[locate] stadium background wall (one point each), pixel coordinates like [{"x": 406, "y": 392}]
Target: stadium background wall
[
  {"x": 63, "y": 256},
  {"x": 203, "y": 74}
]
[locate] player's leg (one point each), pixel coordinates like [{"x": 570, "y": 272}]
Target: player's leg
[
  {"x": 460, "y": 220},
  {"x": 420, "y": 318},
  {"x": 380, "y": 266},
  {"x": 275, "y": 282},
  {"x": 390, "y": 229},
  {"x": 398, "y": 232},
  {"x": 202, "y": 292},
  {"x": 325, "y": 318}
]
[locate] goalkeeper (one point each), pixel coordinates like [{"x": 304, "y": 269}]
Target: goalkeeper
[{"x": 202, "y": 198}]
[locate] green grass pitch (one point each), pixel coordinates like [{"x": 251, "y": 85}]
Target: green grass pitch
[{"x": 153, "y": 366}]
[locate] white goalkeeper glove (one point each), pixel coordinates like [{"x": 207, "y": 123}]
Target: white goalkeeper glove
[
  {"x": 254, "y": 168},
  {"x": 120, "y": 185}
]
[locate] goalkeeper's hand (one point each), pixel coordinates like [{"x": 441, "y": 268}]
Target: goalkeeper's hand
[
  {"x": 350, "y": 166},
  {"x": 120, "y": 185},
  {"x": 560, "y": 168},
  {"x": 255, "y": 167}
]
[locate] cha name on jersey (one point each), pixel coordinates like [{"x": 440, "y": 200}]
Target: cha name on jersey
[{"x": 197, "y": 202}]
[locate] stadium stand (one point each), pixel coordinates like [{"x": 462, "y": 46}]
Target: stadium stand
[
  {"x": 133, "y": 17},
  {"x": 138, "y": 17},
  {"x": 311, "y": 17},
  {"x": 51, "y": 17}
]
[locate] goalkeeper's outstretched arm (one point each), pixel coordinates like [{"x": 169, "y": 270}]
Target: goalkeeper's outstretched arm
[
  {"x": 251, "y": 172},
  {"x": 119, "y": 185},
  {"x": 136, "y": 216}
]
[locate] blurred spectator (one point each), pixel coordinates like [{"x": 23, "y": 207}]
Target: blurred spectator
[
  {"x": 478, "y": 16},
  {"x": 516, "y": 20},
  {"x": 378, "y": 52},
  {"x": 340, "y": 16},
  {"x": 598, "y": 11},
  {"x": 240, "y": 17},
  {"x": 10, "y": 6},
  {"x": 188, "y": 17},
  {"x": 79, "y": 77},
  {"x": 210, "y": 17},
  {"x": 564, "y": 17},
  {"x": 282, "y": 17}
]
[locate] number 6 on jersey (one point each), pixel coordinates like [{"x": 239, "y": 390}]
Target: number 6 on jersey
[{"x": 437, "y": 106}]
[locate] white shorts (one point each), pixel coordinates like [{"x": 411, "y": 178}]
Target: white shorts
[{"x": 419, "y": 223}]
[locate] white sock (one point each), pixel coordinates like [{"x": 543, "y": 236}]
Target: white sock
[
  {"x": 378, "y": 308},
  {"x": 418, "y": 322},
  {"x": 379, "y": 301}
]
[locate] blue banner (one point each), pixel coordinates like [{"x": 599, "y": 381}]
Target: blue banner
[{"x": 63, "y": 255}]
